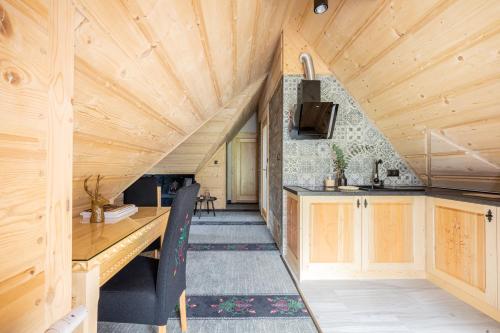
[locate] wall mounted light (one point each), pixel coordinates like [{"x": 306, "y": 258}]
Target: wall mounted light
[{"x": 320, "y": 6}]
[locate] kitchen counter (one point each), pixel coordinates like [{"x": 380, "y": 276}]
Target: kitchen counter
[
  {"x": 323, "y": 191},
  {"x": 466, "y": 196}
]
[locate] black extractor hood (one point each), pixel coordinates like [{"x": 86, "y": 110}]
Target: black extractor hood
[{"x": 312, "y": 119}]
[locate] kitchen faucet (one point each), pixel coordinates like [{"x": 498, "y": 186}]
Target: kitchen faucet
[{"x": 376, "y": 180}]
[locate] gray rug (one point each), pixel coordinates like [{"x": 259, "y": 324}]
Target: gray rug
[
  {"x": 219, "y": 326},
  {"x": 230, "y": 234},
  {"x": 229, "y": 216},
  {"x": 258, "y": 275},
  {"x": 237, "y": 273}
]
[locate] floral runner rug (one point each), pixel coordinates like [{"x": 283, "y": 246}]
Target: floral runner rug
[{"x": 246, "y": 306}]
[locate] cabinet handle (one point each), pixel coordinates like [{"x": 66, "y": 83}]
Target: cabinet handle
[
  {"x": 358, "y": 203},
  {"x": 489, "y": 215},
  {"x": 366, "y": 203}
]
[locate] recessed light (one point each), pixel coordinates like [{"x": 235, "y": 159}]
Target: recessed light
[{"x": 320, "y": 6}]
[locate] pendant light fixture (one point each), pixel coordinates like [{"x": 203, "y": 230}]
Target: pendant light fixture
[{"x": 320, "y": 6}]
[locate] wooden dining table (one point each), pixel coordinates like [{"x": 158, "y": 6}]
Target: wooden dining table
[{"x": 101, "y": 250}]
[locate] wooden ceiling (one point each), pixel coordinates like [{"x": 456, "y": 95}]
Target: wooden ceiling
[
  {"x": 191, "y": 155},
  {"x": 149, "y": 73},
  {"x": 417, "y": 66}
]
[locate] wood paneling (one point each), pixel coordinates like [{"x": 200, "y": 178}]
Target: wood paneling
[
  {"x": 460, "y": 245},
  {"x": 332, "y": 232},
  {"x": 151, "y": 73},
  {"x": 392, "y": 232},
  {"x": 292, "y": 226},
  {"x": 212, "y": 177},
  {"x": 193, "y": 153},
  {"x": 414, "y": 66},
  {"x": 36, "y": 87}
]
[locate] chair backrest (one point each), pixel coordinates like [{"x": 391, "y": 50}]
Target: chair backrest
[
  {"x": 187, "y": 181},
  {"x": 142, "y": 193},
  {"x": 171, "y": 280}
]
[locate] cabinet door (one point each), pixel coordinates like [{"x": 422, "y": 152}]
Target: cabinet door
[
  {"x": 334, "y": 244},
  {"x": 393, "y": 234},
  {"x": 292, "y": 226},
  {"x": 464, "y": 247}
]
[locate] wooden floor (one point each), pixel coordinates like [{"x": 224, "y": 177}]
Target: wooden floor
[{"x": 404, "y": 306}]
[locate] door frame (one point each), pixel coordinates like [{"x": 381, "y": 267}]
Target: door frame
[
  {"x": 264, "y": 167},
  {"x": 234, "y": 176}
]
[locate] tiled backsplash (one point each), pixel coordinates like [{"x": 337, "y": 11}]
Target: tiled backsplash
[{"x": 309, "y": 162}]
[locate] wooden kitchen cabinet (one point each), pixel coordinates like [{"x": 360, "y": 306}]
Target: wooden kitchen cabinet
[
  {"x": 293, "y": 232},
  {"x": 394, "y": 234},
  {"x": 356, "y": 236},
  {"x": 462, "y": 250},
  {"x": 332, "y": 242}
]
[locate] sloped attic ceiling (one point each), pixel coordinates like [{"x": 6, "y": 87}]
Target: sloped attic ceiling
[
  {"x": 151, "y": 72},
  {"x": 194, "y": 152},
  {"x": 416, "y": 66}
]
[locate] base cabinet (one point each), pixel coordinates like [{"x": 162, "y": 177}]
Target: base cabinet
[
  {"x": 353, "y": 236},
  {"x": 462, "y": 250},
  {"x": 454, "y": 244},
  {"x": 394, "y": 235},
  {"x": 331, "y": 237}
]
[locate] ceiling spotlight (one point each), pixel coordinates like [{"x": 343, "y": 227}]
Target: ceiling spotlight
[{"x": 320, "y": 6}]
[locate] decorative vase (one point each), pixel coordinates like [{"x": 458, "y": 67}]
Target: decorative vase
[{"x": 341, "y": 178}]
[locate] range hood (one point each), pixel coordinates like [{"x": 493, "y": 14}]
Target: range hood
[{"x": 311, "y": 119}]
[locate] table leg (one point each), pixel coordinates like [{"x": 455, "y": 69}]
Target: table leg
[
  {"x": 213, "y": 208},
  {"x": 208, "y": 209},
  {"x": 86, "y": 292}
]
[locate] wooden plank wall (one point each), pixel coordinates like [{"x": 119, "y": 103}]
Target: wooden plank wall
[
  {"x": 150, "y": 73},
  {"x": 415, "y": 66},
  {"x": 212, "y": 177},
  {"x": 36, "y": 87},
  {"x": 190, "y": 156}
]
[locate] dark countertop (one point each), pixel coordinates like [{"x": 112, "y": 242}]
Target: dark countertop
[
  {"x": 481, "y": 198},
  {"x": 303, "y": 191},
  {"x": 467, "y": 196}
]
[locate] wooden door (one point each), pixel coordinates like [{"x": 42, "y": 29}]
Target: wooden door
[
  {"x": 463, "y": 248},
  {"x": 333, "y": 245},
  {"x": 245, "y": 168},
  {"x": 393, "y": 234}
]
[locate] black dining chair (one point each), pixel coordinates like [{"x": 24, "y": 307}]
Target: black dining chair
[
  {"x": 145, "y": 192},
  {"x": 147, "y": 290}
]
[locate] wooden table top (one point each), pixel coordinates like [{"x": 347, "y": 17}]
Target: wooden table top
[{"x": 91, "y": 239}]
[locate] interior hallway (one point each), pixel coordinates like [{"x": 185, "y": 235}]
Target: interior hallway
[{"x": 236, "y": 281}]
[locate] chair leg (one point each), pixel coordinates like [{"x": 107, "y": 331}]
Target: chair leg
[
  {"x": 156, "y": 254},
  {"x": 182, "y": 308},
  {"x": 162, "y": 329}
]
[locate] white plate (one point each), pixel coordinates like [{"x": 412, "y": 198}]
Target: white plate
[{"x": 348, "y": 188}]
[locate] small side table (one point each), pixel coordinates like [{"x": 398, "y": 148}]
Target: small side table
[{"x": 208, "y": 200}]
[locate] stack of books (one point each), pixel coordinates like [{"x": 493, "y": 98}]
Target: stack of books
[{"x": 112, "y": 213}]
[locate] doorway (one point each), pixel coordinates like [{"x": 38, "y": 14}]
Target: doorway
[
  {"x": 244, "y": 168},
  {"x": 264, "y": 144}
]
